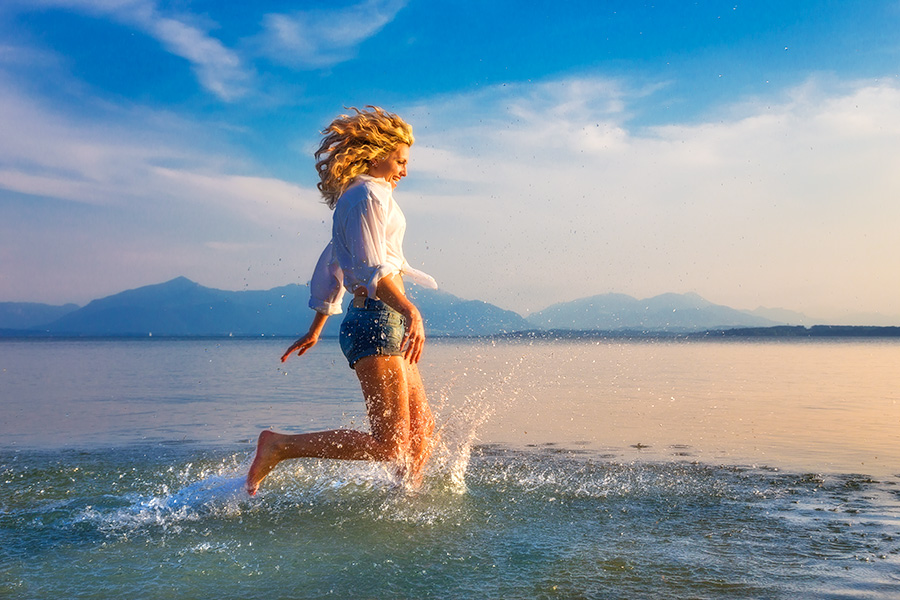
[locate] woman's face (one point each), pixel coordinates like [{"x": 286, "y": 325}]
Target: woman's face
[{"x": 391, "y": 168}]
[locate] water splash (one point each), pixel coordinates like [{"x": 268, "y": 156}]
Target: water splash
[
  {"x": 217, "y": 494},
  {"x": 197, "y": 492},
  {"x": 458, "y": 432},
  {"x": 215, "y": 491}
]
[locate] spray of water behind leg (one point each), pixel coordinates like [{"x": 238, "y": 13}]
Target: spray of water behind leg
[{"x": 459, "y": 429}]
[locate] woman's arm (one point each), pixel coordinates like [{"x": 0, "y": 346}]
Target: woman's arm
[
  {"x": 309, "y": 340},
  {"x": 391, "y": 293}
]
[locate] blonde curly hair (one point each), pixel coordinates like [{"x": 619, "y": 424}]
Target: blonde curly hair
[{"x": 351, "y": 141}]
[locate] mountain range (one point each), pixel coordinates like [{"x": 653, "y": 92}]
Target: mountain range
[
  {"x": 664, "y": 313},
  {"x": 181, "y": 307}
]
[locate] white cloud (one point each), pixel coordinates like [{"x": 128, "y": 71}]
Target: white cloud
[
  {"x": 320, "y": 38},
  {"x": 86, "y": 208},
  {"x": 262, "y": 200},
  {"x": 790, "y": 204},
  {"x": 99, "y": 162},
  {"x": 310, "y": 39},
  {"x": 218, "y": 68},
  {"x": 521, "y": 195}
]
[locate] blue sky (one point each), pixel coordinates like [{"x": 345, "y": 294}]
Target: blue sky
[{"x": 745, "y": 151}]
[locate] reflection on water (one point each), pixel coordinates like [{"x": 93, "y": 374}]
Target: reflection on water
[
  {"x": 807, "y": 406},
  {"x": 598, "y": 470}
]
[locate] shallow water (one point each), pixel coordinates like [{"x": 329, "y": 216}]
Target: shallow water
[
  {"x": 122, "y": 462},
  {"x": 831, "y": 407}
]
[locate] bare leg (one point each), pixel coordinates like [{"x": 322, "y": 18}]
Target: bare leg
[
  {"x": 385, "y": 389},
  {"x": 384, "y": 386},
  {"x": 421, "y": 424},
  {"x": 345, "y": 444}
]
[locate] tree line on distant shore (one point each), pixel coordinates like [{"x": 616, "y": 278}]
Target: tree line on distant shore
[
  {"x": 778, "y": 331},
  {"x": 814, "y": 331}
]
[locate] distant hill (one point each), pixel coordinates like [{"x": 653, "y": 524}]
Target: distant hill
[
  {"x": 664, "y": 313},
  {"x": 780, "y": 315},
  {"x": 181, "y": 307},
  {"x": 24, "y": 315},
  {"x": 446, "y": 314}
]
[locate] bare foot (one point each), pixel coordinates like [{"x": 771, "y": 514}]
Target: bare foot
[{"x": 265, "y": 460}]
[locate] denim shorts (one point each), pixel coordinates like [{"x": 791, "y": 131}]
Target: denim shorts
[{"x": 374, "y": 329}]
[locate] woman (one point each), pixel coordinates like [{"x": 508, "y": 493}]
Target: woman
[{"x": 360, "y": 161}]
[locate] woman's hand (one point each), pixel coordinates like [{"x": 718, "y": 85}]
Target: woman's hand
[
  {"x": 390, "y": 290},
  {"x": 414, "y": 341},
  {"x": 309, "y": 340},
  {"x": 300, "y": 346}
]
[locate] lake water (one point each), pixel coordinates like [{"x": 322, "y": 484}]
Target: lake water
[{"x": 585, "y": 469}]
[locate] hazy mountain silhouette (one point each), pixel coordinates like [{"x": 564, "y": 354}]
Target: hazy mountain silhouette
[
  {"x": 181, "y": 307},
  {"x": 24, "y": 315},
  {"x": 781, "y": 315},
  {"x": 446, "y": 314},
  {"x": 664, "y": 313}
]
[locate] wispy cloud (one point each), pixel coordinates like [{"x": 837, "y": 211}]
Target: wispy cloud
[
  {"x": 309, "y": 39},
  {"x": 563, "y": 197},
  {"x": 321, "y": 38},
  {"x": 140, "y": 199},
  {"x": 88, "y": 161},
  {"x": 550, "y": 187},
  {"x": 219, "y": 69}
]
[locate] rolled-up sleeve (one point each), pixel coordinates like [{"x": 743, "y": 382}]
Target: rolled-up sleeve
[
  {"x": 419, "y": 277},
  {"x": 325, "y": 288}
]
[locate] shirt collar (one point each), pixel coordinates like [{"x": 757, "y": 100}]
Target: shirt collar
[{"x": 379, "y": 181}]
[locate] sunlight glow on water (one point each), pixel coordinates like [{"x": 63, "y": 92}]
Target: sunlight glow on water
[
  {"x": 639, "y": 470},
  {"x": 821, "y": 407}
]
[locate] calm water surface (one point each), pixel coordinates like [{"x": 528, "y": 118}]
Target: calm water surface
[{"x": 566, "y": 470}]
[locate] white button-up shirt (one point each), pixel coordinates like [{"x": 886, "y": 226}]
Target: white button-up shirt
[{"x": 366, "y": 245}]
